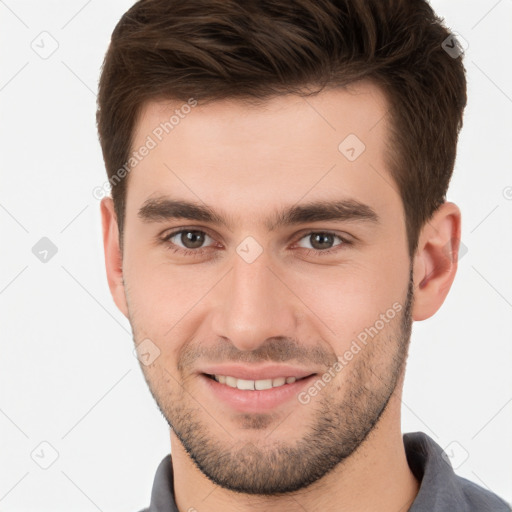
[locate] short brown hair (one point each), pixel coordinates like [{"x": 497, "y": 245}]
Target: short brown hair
[{"x": 253, "y": 50}]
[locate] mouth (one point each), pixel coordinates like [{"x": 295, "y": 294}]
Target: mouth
[
  {"x": 255, "y": 385},
  {"x": 256, "y": 396}
]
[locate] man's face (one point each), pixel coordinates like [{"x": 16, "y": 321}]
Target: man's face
[{"x": 322, "y": 294}]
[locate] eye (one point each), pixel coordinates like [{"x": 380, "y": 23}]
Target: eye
[
  {"x": 321, "y": 242},
  {"x": 187, "y": 241}
]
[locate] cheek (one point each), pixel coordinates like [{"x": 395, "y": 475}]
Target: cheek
[
  {"x": 344, "y": 301},
  {"x": 156, "y": 283},
  {"x": 163, "y": 299}
]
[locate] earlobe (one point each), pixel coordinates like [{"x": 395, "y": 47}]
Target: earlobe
[
  {"x": 113, "y": 256},
  {"x": 435, "y": 261}
]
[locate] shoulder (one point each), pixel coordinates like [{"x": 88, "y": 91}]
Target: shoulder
[
  {"x": 480, "y": 499},
  {"x": 440, "y": 487}
]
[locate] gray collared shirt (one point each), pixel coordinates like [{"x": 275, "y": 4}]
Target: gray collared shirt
[{"x": 441, "y": 490}]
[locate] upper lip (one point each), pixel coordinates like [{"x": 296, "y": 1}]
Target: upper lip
[{"x": 257, "y": 373}]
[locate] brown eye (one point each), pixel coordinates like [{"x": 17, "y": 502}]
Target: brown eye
[
  {"x": 192, "y": 239},
  {"x": 322, "y": 241},
  {"x": 187, "y": 238}
]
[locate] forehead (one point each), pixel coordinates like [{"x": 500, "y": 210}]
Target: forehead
[{"x": 229, "y": 152}]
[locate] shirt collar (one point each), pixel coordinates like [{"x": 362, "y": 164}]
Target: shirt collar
[
  {"x": 162, "y": 495},
  {"x": 440, "y": 487}
]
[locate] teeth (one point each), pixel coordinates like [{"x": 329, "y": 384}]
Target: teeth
[{"x": 253, "y": 384}]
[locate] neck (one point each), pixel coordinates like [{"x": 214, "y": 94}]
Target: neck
[{"x": 376, "y": 477}]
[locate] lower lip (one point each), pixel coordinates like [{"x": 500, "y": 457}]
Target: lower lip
[{"x": 257, "y": 400}]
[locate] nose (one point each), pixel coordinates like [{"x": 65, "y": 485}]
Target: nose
[{"x": 254, "y": 304}]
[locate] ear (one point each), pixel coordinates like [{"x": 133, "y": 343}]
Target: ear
[
  {"x": 435, "y": 260},
  {"x": 113, "y": 256}
]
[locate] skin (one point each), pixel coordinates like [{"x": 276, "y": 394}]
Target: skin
[{"x": 343, "y": 450}]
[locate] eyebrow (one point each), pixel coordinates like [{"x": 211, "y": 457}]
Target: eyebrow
[{"x": 165, "y": 209}]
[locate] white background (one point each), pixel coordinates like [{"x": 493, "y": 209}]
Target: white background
[{"x": 68, "y": 376}]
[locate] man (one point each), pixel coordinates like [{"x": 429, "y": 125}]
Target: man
[{"x": 278, "y": 219}]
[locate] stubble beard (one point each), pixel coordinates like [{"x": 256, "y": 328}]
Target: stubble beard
[{"x": 342, "y": 417}]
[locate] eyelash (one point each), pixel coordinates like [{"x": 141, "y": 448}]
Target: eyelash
[{"x": 201, "y": 251}]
